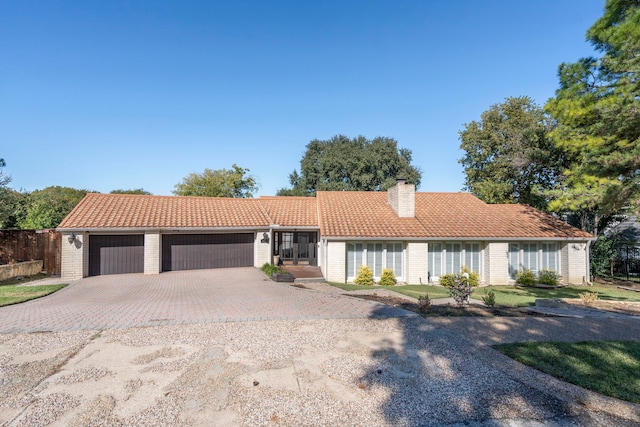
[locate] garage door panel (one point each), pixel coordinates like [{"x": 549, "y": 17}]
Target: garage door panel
[
  {"x": 116, "y": 254},
  {"x": 199, "y": 251}
]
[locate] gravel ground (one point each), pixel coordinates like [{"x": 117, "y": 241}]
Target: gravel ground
[{"x": 358, "y": 372}]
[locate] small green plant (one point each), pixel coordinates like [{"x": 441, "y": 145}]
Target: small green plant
[
  {"x": 424, "y": 303},
  {"x": 589, "y": 298},
  {"x": 364, "y": 277},
  {"x": 548, "y": 277},
  {"x": 489, "y": 298},
  {"x": 388, "y": 278},
  {"x": 448, "y": 280},
  {"x": 526, "y": 277},
  {"x": 269, "y": 269}
]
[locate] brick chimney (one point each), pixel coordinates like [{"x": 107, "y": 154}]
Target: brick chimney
[{"x": 402, "y": 198}]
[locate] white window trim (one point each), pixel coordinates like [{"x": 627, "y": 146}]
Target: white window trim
[
  {"x": 443, "y": 256},
  {"x": 539, "y": 256},
  {"x": 399, "y": 277}
]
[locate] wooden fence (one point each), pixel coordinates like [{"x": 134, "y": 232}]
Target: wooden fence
[{"x": 31, "y": 245}]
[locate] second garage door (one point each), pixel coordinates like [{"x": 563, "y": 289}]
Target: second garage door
[{"x": 196, "y": 251}]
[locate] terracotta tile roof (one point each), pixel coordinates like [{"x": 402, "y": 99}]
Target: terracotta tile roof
[
  {"x": 362, "y": 214},
  {"x": 291, "y": 211},
  {"x": 135, "y": 211},
  {"x": 350, "y": 214}
]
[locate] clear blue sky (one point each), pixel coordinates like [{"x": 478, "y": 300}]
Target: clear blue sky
[{"x": 127, "y": 94}]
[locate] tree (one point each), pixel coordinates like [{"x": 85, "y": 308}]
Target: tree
[
  {"x": 597, "y": 109},
  {"x": 141, "y": 191},
  {"x": 46, "y": 208},
  {"x": 508, "y": 156},
  {"x": 11, "y": 202},
  {"x": 343, "y": 164},
  {"x": 218, "y": 183}
]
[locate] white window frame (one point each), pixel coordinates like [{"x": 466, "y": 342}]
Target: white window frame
[
  {"x": 444, "y": 258},
  {"x": 524, "y": 253},
  {"x": 364, "y": 258}
]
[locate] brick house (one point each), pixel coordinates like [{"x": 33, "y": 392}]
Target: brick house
[{"x": 420, "y": 236}]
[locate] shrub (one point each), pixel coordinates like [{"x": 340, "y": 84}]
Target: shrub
[
  {"x": 424, "y": 303},
  {"x": 448, "y": 280},
  {"x": 489, "y": 298},
  {"x": 589, "y": 298},
  {"x": 474, "y": 278},
  {"x": 460, "y": 290},
  {"x": 548, "y": 277},
  {"x": 388, "y": 278},
  {"x": 364, "y": 277},
  {"x": 526, "y": 277},
  {"x": 269, "y": 269}
]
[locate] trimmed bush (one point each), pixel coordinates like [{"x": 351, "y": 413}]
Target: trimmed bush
[
  {"x": 448, "y": 280},
  {"x": 489, "y": 299},
  {"x": 474, "y": 278},
  {"x": 364, "y": 277},
  {"x": 526, "y": 278},
  {"x": 388, "y": 278},
  {"x": 269, "y": 269},
  {"x": 424, "y": 303},
  {"x": 548, "y": 277}
]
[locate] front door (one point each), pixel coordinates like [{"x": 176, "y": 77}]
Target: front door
[{"x": 296, "y": 247}]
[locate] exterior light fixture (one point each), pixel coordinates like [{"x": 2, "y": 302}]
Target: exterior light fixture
[
  {"x": 72, "y": 238},
  {"x": 265, "y": 237}
]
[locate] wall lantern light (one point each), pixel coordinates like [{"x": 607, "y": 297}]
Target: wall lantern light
[
  {"x": 265, "y": 238},
  {"x": 72, "y": 238}
]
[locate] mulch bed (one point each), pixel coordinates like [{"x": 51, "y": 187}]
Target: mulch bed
[{"x": 449, "y": 310}]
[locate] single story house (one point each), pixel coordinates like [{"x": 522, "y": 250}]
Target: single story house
[{"x": 418, "y": 235}]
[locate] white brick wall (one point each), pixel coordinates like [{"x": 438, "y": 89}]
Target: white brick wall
[
  {"x": 577, "y": 260},
  {"x": 152, "y": 252},
  {"x": 262, "y": 251},
  {"x": 416, "y": 263},
  {"x": 498, "y": 259},
  {"x": 74, "y": 257},
  {"x": 336, "y": 267}
]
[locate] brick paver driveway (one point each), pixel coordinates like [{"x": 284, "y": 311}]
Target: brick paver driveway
[{"x": 198, "y": 296}]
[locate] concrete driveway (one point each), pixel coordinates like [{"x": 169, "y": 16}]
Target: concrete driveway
[{"x": 184, "y": 297}]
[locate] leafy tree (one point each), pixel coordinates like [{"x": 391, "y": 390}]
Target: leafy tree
[
  {"x": 597, "y": 109},
  {"x": 11, "y": 202},
  {"x": 343, "y": 164},
  {"x": 46, "y": 208},
  {"x": 141, "y": 191},
  {"x": 218, "y": 183},
  {"x": 508, "y": 156}
]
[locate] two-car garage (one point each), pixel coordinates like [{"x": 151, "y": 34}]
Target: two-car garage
[{"x": 117, "y": 254}]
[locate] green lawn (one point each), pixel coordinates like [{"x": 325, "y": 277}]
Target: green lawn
[
  {"x": 13, "y": 294},
  {"x": 511, "y": 296},
  {"x": 521, "y": 296},
  {"x": 607, "y": 367}
]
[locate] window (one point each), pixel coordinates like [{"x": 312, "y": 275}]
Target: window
[
  {"x": 435, "y": 259},
  {"x": 374, "y": 258},
  {"x": 532, "y": 256},
  {"x": 450, "y": 257},
  {"x": 376, "y": 255}
]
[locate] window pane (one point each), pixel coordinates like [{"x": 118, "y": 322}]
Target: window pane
[
  {"x": 435, "y": 259},
  {"x": 549, "y": 256},
  {"x": 452, "y": 258},
  {"x": 358, "y": 257},
  {"x": 514, "y": 264},
  {"x": 351, "y": 260},
  {"x": 374, "y": 258},
  {"x": 394, "y": 258},
  {"x": 530, "y": 256},
  {"x": 472, "y": 256}
]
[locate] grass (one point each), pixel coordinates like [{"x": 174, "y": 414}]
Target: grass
[
  {"x": 509, "y": 296},
  {"x": 13, "y": 294},
  {"x": 607, "y": 367},
  {"x": 521, "y": 296},
  {"x": 17, "y": 281}
]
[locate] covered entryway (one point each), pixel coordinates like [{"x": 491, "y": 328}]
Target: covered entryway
[
  {"x": 296, "y": 247},
  {"x": 116, "y": 254},
  {"x": 198, "y": 251}
]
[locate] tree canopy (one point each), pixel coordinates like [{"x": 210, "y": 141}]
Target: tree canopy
[
  {"x": 235, "y": 182},
  {"x": 11, "y": 202},
  {"x": 597, "y": 109},
  {"x": 508, "y": 155},
  {"x": 141, "y": 191},
  {"x": 344, "y": 164},
  {"x": 46, "y": 208}
]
